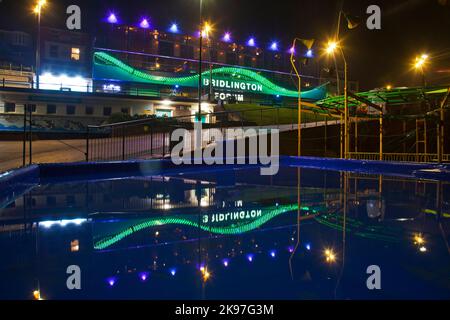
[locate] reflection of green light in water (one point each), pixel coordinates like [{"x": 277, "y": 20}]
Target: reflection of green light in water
[
  {"x": 358, "y": 228},
  {"x": 334, "y": 221},
  {"x": 271, "y": 213}
]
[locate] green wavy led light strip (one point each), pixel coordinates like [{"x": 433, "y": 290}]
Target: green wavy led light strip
[
  {"x": 358, "y": 228},
  {"x": 192, "y": 81},
  {"x": 233, "y": 229}
]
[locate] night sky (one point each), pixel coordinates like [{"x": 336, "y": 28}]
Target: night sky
[{"x": 376, "y": 58}]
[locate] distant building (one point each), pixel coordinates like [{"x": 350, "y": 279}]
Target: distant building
[
  {"x": 16, "y": 50},
  {"x": 65, "y": 52}
]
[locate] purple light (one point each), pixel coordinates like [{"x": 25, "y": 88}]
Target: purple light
[
  {"x": 173, "y": 271},
  {"x": 291, "y": 249},
  {"x": 225, "y": 262},
  {"x": 273, "y": 253},
  {"x": 174, "y": 28},
  {"x": 274, "y": 46},
  {"x": 250, "y": 257},
  {"x": 112, "y": 18},
  {"x": 226, "y": 37},
  {"x": 309, "y": 53},
  {"x": 144, "y": 24},
  {"x": 251, "y": 42},
  {"x": 143, "y": 276},
  {"x": 292, "y": 50},
  {"x": 111, "y": 281}
]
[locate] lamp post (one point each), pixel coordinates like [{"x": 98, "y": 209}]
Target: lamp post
[
  {"x": 37, "y": 10},
  {"x": 330, "y": 49},
  {"x": 299, "y": 101},
  {"x": 199, "y": 117}
]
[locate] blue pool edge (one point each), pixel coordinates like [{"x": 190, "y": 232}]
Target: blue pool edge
[{"x": 116, "y": 169}]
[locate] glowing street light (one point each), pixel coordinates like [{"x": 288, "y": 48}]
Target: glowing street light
[
  {"x": 331, "y": 47},
  {"x": 419, "y": 65},
  {"x": 112, "y": 18},
  {"x": 206, "y": 30},
  {"x": 226, "y": 37},
  {"x": 174, "y": 28},
  {"x": 420, "y": 61}
]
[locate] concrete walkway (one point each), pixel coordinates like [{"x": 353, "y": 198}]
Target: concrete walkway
[{"x": 50, "y": 151}]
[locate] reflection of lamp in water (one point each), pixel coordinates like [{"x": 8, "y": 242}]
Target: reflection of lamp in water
[
  {"x": 143, "y": 276},
  {"x": 111, "y": 281},
  {"x": 330, "y": 256},
  {"x": 205, "y": 273},
  {"x": 419, "y": 241},
  {"x": 375, "y": 208},
  {"x": 37, "y": 295}
]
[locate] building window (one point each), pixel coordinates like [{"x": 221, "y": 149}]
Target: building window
[
  {"x": 10, "y": 107},
  {"x": 53, "y": 52},
  {"x": 51, "y": 109},
  {"x": 89, "y": 110},
  {"x": 213, "y": 55},
  {"x": 165, "y": 48},
  {"x": 70, "y": 109},
  {"x": 51, "y": 201},
  {"x": 163, "y": 113},
  {"x": 107, "y": 111},
  {"x": 75, "y": 54},
  {"x": 187, "y": 52},
  {"x": 70, "y": 200},
  {"x": 231, "y": 58}
]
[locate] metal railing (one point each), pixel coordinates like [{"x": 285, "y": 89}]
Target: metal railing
[
  {"x": 150, "y": 138},
  {"x": 398, "y": 157}
]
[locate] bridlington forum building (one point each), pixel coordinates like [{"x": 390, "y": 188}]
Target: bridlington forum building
[{"x": 142, "y": 71}]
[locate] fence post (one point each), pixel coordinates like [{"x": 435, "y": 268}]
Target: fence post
[
  {"x": 123, "y": 142},
  {"x": 151, "y": 140},
  {"x": 164, "y": 143},
  {"x": 87, "y": 143},
  {"x": 24, "y": 134},
  {"x": 30, "y": 107}
]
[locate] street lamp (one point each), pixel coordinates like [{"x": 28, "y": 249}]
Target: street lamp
[
  {"x": 199, "y": 117},
  {"x": 330, "y": 49},
  {"x": 419, "y": 64},
  {"x": 37, "y": 10}
]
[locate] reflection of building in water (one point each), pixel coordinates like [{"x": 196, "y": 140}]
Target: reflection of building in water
[{"x": 158, "y": 224}]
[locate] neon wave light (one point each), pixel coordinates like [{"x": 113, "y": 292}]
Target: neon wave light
[
  {"x": 108, "y": 67},
  {"x": 333, "y": 221},
  {"x": 229, "y": 230}
]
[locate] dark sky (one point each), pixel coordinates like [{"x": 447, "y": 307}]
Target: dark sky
[{"x": 409, "y": 27}]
